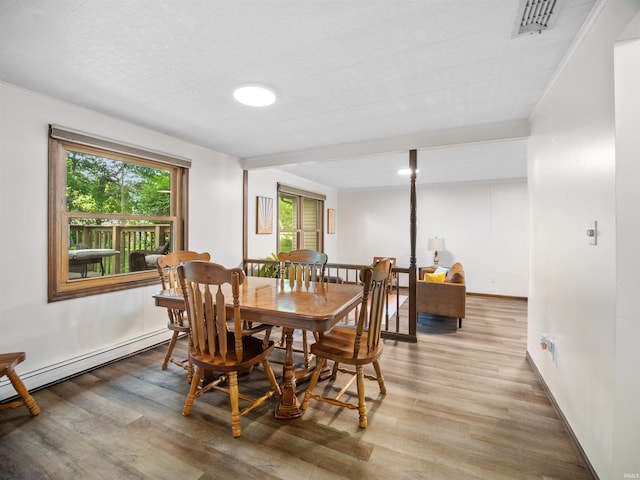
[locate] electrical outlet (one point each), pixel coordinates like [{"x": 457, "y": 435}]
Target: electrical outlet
[{"x": 551, "y": 347}]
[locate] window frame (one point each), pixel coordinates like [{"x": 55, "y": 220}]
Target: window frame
[
  {"x": 60, "y": 287},
  {"x": 299, "y": 231}
]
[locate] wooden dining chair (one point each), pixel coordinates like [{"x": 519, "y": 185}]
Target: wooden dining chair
[
  {"x": 214, "y": 348},
  {"x": 8, "y": 363},
  {"x": 307, "y": 266},
  {"x": 392, "y": 276},
  {"x": 355, "y": 346},
  {"x": 178, "y": 324}
]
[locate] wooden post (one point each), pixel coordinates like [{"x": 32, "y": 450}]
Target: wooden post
[
  {"x": 118, "y": 262},
  {"x": 412, "y": 165},
  {"x": 245, "y": 218},
  {"x": 413, "y": 314}
]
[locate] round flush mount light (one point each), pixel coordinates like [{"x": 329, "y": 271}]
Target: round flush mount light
[{"x": 254, "y": 95}]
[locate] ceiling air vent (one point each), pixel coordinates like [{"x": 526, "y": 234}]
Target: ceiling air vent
[{"x": 537, "y": 15}]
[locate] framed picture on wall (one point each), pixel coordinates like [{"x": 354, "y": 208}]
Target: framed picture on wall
[
  {"x": 331, "y": 220},
  {"x": 264, "y": 215}
]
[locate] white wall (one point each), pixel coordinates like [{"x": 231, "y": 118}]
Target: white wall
[
  {"x": 626, "y": 417},
  {"x": 572, "y": 297},
  {"x": 264, "y": 183},
  {"x": 485, "y": 227},
  {"x": 65, "y": 337}
]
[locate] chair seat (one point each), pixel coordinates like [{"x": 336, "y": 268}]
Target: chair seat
[
  {"x": 253, "y": 329},
  {"x": 184, "y": 328},
  {"x": 253, "y": 350},
  {"x": 8, "y": 361},
  {"x": 338, "y": 344}
]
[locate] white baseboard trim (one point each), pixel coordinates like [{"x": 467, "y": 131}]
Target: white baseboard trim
[
  {"x": 593, "y": 475},
  {"x": 57, "y": 372}
]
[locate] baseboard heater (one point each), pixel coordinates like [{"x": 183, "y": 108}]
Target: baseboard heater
[{"x": 58, "y": 372}]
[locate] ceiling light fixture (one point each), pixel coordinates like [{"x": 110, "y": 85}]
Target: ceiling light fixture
[{"x": 254, "y": 95}]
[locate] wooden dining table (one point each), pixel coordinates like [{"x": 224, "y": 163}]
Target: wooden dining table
[{"x": 313, "y": 306}]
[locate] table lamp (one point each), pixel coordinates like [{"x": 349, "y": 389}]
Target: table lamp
[{"x": 435, "y": 244}]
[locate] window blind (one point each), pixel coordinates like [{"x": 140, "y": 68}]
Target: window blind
[{"x": 282, "y": 188}]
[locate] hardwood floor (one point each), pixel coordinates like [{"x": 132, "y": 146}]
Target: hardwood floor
[{"x": 460, "y": 404}]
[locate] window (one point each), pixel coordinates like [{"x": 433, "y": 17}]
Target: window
[
  {"x": 113, "y": 210},
  {"x": 300, "y": 219}
]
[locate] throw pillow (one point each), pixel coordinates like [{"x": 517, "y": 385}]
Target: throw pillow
[
  {"x": 442, "y": 269},
  {"x": 456, "y": 277},
  {"x": 435, "y": 277}
]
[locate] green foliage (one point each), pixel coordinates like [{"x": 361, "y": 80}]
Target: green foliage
[
  {"x": 102, "y": 185},
  {"x": 285, "y": 211},
  {"x": 286, "y": 241},
  {"x": 270, "y": 269}
]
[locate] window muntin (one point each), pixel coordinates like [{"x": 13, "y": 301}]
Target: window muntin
[{"x": 107, "y": 212}]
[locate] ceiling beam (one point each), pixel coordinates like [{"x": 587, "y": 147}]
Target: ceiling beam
[{"x": 425, "y": 140}]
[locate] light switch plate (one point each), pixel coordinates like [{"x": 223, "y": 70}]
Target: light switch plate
[{"x": 592, "y": 233}]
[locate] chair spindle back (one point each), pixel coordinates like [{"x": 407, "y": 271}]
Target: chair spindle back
[
  {"x": 168, "y": 266},
  {"x": 206, "y": 307},
  {"x": 303, "y": 265},
  {"x": 168, "y": 272},
  {"x": 375, "y": 281}
]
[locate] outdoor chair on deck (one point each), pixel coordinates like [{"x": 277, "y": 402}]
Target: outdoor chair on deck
[
  {"x": 355, "y": 346},
  {"x": 168, "y": 271},
  {"x": 8, "y": 362},
  {"x": 303, "y": 266},
  {"x": 141, "y": 260},
  {"x": 214, "y": 348}
]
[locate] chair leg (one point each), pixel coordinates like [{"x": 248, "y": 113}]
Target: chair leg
[
  {"x": 379, "y": 377},
  {"x": 267, "y": 337},
  {"x": 28, "y": 400},
  {"x": 266, "y": 366},
  {"x": 320, "y": 363},
  {"x": 362, "y": 406},
  {"x": 460, "y": 322},
  {"x": 191, "y": 396},
  {"x": 189, "y": 362},
  {"x": 235, "y": 406},
  {"x": 305, "y": 349},
  {"x": 172, "y": 344},
  {"x": 334, "y": 372}
]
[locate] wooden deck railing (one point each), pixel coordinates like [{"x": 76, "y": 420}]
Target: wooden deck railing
[
  {"x": 397, "y": 323},
  {"x": 124, "y": 238}
]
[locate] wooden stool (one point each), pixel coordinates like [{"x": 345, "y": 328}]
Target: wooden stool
[{"x": 8, "y": 362}]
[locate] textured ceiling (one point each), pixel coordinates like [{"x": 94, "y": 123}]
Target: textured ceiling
[{"x": 346, "y": 72}]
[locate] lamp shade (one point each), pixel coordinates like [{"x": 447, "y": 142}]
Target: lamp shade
[{"x": 436, "y": 244}]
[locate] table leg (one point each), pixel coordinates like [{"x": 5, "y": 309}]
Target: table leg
[{"x": 288, "y": 407}]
